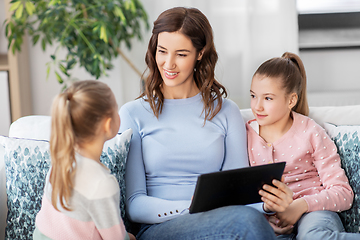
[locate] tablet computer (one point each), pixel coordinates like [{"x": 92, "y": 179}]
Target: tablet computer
[{"x": 233, "y": 187}]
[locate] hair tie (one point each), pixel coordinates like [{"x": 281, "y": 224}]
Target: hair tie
[{"x": 69, "y": 96}]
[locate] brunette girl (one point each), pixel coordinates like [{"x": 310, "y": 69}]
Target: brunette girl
[{"x": 281, "y": 131}]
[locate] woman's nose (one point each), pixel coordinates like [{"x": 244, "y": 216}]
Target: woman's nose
[{"x": 169, "y": 62}]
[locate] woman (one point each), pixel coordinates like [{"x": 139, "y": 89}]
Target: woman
[{"x": 183, "y": 127}]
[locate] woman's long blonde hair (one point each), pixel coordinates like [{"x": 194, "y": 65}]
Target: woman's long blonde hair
[{"x": 75, "y": 116}]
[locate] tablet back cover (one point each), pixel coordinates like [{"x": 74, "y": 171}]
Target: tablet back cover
[{"x": 233, "y": 187}]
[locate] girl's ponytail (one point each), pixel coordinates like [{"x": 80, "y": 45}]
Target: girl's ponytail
[
  {"x": 302, "y": 106},
  {"x": 75, "y": 117},
  {"x": 62, "y": 143}
]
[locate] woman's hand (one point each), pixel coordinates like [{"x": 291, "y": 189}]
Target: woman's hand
[
  {"x": 274, "y": 221},
  {"x": 293, "y": 213},
  {"x": 278, "y": 198}
]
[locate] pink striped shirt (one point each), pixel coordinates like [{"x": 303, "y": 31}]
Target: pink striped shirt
[{"x": 95, "y": 206}]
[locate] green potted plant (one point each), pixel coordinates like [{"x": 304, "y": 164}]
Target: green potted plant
[{"x": 90, "y": 30}]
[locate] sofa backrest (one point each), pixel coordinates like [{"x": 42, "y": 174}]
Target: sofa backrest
[
  {"x": 342, "y": 115},
  {"x": 38, "y": 126},
  {"x": 31, "y": 127}
]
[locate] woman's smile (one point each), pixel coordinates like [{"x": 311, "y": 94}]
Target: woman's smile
[
  {"x": 175, "y": 58},
  {"x": 170, "y": 74}
]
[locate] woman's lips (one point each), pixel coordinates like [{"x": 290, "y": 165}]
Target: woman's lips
[{"x": 170, "y": 75}]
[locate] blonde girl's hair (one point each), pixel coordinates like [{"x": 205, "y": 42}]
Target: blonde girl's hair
[
  {"x": 193, "y": 24},
  {"x": 290, "y": 69},
  {"x": 75, "y": 116}
]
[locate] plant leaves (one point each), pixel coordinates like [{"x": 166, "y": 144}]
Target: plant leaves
[
  {"x": 30, "y": 8},
  {"x": 103, "y": 34},
  {"x": 43, "y": 44},
  {"x": 36, "y": 39},
  {"x": 58, "y": 77},
  {"x": 14, "y": 6},
  {"x": 63, "y": 70},
  {"x": 71, "y": 64},
  {"x": 85, "y": 37},
  {"x": 47, "y": 72},
  {"x": 19, "y": 11},
  {"x": 118, "y": 12},
  {"x": 53, "y": 2}
]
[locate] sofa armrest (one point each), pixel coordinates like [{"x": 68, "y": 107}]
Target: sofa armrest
[{"x": 3, "y": 196}]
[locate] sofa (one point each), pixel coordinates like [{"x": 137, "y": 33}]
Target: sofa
[{"x": 341, "y": 123}]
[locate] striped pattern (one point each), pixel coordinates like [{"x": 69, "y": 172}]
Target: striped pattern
[{"x": 95, "y": 207}]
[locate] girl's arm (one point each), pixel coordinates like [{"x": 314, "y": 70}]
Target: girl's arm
[
  {"x": 337, "y": 195},
  {"x": 141, "y": 207}
]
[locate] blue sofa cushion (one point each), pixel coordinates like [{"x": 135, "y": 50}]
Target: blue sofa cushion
[
  {"x": 347, "y": 140},
  {"x": 27, "y": 162}
]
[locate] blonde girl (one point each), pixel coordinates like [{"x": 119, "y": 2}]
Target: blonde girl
[
  {"x": 81, "y": 197},
  {"x": 281, "y": 131}
]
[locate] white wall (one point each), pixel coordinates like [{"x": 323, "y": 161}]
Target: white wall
[
  {"x": 333, "y": 76},
  {"x": 246, "y": 32}
]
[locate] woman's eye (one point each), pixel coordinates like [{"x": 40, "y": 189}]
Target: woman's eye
[
  {"x": 182, "y": 55},
  {"x": 252, "y": 95},
  {"x": 268, "y": 98},
  {"x": 161, "y": 51}
]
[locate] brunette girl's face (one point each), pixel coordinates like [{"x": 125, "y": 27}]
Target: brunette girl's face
[
  {"x": 269, "y": 102},
  {"x": 175, "y": 58}
]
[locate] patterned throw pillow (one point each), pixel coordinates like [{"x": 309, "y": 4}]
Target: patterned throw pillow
[
  {"x": 27, "y": 162},
  {"x": 347, "y": 140}
]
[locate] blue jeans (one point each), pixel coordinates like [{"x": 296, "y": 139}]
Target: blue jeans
[
  {"x": 320, "y": 225},
  {"x": 232, "y": 222}
]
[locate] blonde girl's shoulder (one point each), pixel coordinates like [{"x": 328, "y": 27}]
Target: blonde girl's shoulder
[{"x": 93, "y": 179}]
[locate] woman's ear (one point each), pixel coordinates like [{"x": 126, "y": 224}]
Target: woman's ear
[
  {"x": 293, "y": 100},
  {"x": 201, "y": 53}
]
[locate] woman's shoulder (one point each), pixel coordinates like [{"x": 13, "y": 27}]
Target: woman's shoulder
[
  {"x": 229, "y": 105},
  {"x": 229, "y": 111},
  {"x": 134, "y": 104}
]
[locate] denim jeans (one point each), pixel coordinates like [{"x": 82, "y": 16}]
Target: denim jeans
[
  {"x": 320, "y": 225},
  {"x": 232, "y": 222}
]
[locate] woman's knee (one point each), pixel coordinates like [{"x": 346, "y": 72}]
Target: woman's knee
[
  {"x": 239, "y": 214},
  {"x": 245, "y": 221}
]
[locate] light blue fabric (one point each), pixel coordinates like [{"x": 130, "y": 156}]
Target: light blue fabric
[
  {"x": 167, "y": 154},
  {"x": 232, "y": 222},
  {"x": 320, "y": 225}
]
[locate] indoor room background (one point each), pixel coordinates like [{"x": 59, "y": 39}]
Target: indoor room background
[{"x": 246, "y": 33}]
